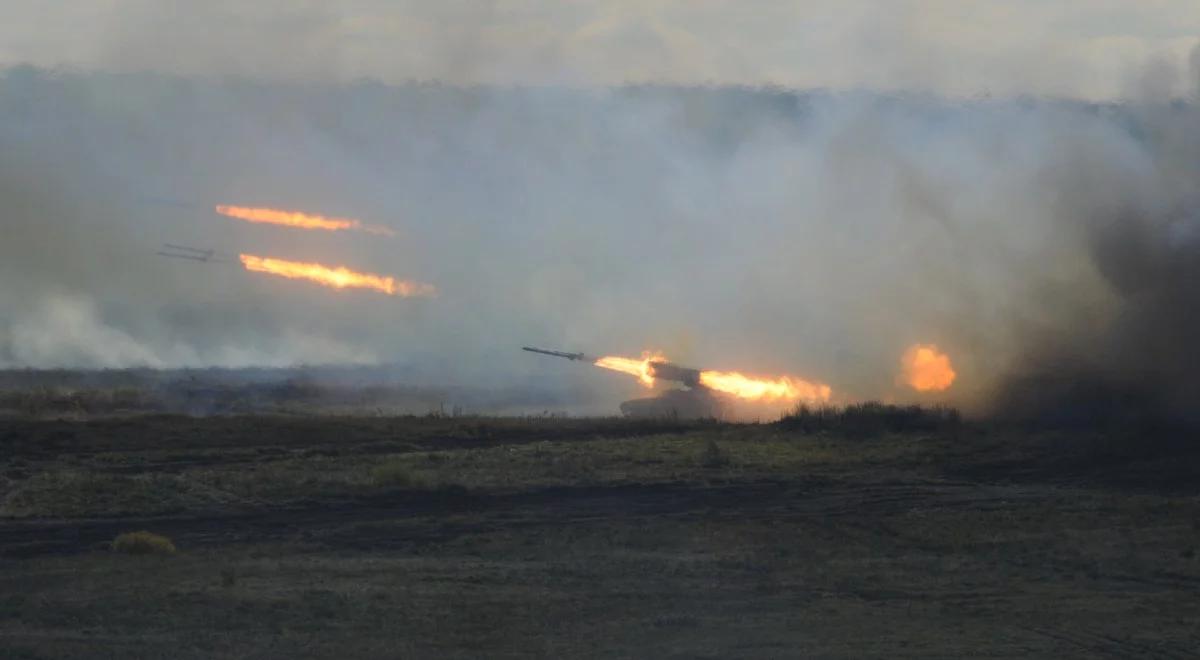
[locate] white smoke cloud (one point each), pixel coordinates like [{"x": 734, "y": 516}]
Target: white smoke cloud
[
  {"x": 754, "y": 230},
  {"x": 65, "y": 331}
]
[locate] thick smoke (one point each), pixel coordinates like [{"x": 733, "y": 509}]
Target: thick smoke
[{"x": 1049, "y": 247}]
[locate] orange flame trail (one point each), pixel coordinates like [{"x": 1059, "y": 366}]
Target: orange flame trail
[
  {"x": 643, "y": 368},
  {"x": 783, "y": 388},
  {"x": 926, "y": 369},
  {"x": 338, "y": 278},
  {"x": 298, "y": 219}
]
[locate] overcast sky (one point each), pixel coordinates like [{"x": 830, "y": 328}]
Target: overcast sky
[{"x": 1075, "y": 48}]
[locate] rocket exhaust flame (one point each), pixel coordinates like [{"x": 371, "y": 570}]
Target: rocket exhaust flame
[
  {"x": 926, "y": 369},
  {"x": 338, "y": 277},
  {"x": 299, "y": 220},
  {"x": 783, "y": 388},
  {"x": 643, "y": 368}
]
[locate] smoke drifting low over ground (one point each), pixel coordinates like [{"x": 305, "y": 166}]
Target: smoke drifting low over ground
[{"x": 1052, "y": 249}]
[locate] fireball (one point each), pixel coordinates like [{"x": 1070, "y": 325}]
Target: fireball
[{"x": 926, "y": 369}]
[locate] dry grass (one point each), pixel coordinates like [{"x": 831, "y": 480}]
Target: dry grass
[
  {"x": 936, "y": 544},
  {"x": 750, "y": 453},
  {"x": 208, "y": 479},
  {"x": 73, "y": 493},
  {"x": 41, "y": 401}
]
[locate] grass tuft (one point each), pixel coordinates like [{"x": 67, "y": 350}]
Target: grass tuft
[{"x": 143, "y": 543}]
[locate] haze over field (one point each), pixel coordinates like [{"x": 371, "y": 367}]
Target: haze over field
[
  {"x": 763, "y": 230},
  {"x": 1095, "y": 49}
]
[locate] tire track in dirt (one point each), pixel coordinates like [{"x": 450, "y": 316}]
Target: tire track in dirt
[{"x": 1099, "y": 644}]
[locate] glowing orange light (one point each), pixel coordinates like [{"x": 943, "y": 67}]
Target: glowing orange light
[
  {"x": 782, "y": 388},
  {"x": 926, "y": 369},
  {"x": 298, "y": 219},
  {"x": 338, "y": 277},
  {"x": 642, "y": 368}
]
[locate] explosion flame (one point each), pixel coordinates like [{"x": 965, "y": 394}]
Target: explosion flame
[
  {"x": 338, "y": 277},
  {"x": 298, "y": 219},
  {"x": 926, "y": 369}
]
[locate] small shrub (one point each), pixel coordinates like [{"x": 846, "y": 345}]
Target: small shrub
[
  {"x": 143, "y": 543},
  {"x": 713, "y": 456},
  {"x": 396, "y": 474}
]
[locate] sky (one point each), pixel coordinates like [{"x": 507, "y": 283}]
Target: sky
[{"x": 1091, "y": 49}]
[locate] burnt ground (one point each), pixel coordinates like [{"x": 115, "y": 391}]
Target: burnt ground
[{"x": 423, "y": 537}]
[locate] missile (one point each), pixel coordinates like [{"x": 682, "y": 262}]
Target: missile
[
  {"x": 661, "y": 370},
  {"x": 570, "y": 356},
  {"x": 194, "y": 254}
]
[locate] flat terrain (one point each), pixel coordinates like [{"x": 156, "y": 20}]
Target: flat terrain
[{"x": 471, "y": 537}]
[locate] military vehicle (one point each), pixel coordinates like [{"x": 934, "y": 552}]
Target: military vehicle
[{"x": 694, "y": 402}]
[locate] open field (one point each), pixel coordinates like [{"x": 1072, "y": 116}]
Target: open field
[
  {"x": 466, "y": 537},
  {"x": 78, "y": 394}
]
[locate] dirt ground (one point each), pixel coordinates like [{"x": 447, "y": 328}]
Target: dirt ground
[{"x": 473, "y": 537}]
